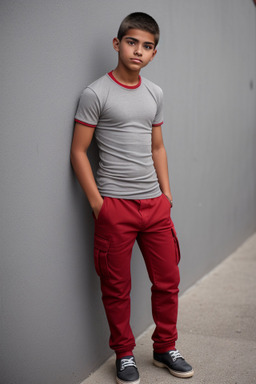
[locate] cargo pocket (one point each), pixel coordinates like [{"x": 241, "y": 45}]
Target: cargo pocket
[
  {"x": 101, "y": 247},
  {"x": 176, "y": 244}
]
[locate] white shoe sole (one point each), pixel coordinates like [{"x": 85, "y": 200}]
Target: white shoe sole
[
  {"x": 119, "y": 381},
  {"x": 183, "y": 375}
]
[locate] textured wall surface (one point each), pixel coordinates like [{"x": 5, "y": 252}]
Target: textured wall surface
[{"x": 53, "y": 328}]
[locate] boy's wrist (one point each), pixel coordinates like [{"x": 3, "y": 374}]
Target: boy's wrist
[{"x": 169, "y": 198}]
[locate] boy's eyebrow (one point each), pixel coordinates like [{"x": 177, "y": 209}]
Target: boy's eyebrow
[{"x": 136, "y": 40}]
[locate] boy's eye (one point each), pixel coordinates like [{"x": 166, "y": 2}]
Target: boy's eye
[
  {"x": 131, "y": 42},
  {"x": 148, "y": 46}
]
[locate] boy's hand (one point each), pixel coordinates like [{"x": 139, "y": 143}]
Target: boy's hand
[
  {"x": 97, "y": 208},
  {"x": 169, "y": 197}
]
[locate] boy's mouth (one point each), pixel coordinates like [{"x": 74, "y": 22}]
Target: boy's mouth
[{"x": 136, "y": 60}]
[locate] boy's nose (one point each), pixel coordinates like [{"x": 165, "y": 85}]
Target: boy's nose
[{"x": 137, "y": 52}]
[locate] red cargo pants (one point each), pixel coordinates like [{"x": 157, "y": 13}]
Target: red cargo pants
[{"x": 119, "y": 224}]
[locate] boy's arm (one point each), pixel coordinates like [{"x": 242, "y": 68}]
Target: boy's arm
[
  {"x": 160, "y": 161},
  {"x": 81, "y": 141}
]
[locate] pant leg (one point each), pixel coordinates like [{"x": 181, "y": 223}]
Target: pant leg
[
  {"x": 159, "y": 245},
  {"x": 115, "y": 234}
]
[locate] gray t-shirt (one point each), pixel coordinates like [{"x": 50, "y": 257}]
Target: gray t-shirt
[{"x": 124, "y": 118}]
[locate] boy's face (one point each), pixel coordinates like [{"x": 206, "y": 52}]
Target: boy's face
[{"x": 136, "y": 49}]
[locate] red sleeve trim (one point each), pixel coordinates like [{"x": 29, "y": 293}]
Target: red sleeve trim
[
  {"x": 157, "y": 125},
  {"x": 83, "y": 123}
]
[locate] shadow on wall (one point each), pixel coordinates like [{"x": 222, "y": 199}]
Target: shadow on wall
[{"x": 95, "y": 330}]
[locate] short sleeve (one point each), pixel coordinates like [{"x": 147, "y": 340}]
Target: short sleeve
[
  {"x": 159, "y": 118},
  {"x": 88, "y": 111}
]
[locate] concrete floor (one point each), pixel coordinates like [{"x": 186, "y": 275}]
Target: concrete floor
[{"x": 217, "y": 328}]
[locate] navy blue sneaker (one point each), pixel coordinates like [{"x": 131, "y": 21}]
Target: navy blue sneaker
[
  {"x": 174, "y": 362},
  {"x": 126, "y": 371}
]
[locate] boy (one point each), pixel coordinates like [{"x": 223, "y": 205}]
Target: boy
[{"x": 131, "y": 199}]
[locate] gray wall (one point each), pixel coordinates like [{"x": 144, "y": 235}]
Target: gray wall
[{"x": 53, "y": 327}]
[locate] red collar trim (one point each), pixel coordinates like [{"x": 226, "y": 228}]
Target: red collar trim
[{"x": 123, "y": 85}]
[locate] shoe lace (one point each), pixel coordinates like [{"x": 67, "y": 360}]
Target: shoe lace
[
  {"x": 127, "y": 363},
  {"x": 175, "y": 355}
]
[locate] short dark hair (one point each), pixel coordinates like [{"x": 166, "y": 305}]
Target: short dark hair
[{"x": 142, "y": 21}]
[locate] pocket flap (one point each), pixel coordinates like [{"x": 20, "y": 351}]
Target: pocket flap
[
  {"x": 177, "y": 245},
  {"x": 101, "y": 243},
  {"x": 101, "y": 247}
]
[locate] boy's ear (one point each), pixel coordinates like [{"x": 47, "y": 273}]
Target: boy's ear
[
  {"x": 116, "y": 44},
  {"x": 153, "y": 55}
]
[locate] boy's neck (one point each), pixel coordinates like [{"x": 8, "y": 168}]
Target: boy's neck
[{"x": 126, "y": 77}]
